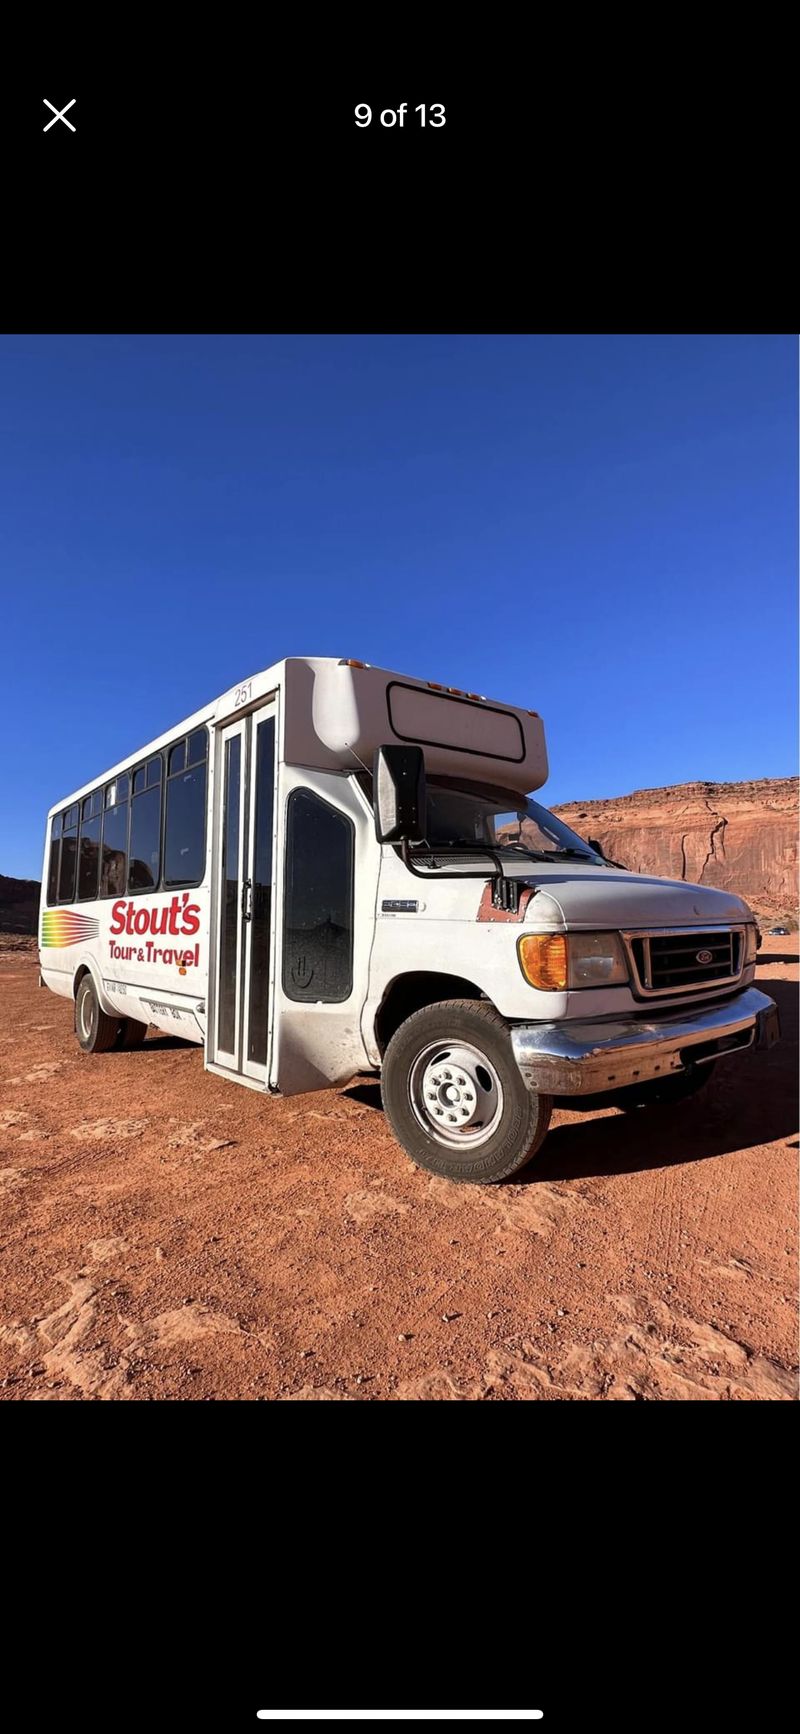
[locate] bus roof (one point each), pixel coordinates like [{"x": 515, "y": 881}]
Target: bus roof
[{"x": 336, "y": 711}]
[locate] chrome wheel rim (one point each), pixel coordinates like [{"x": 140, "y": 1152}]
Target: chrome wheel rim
[
  {"x": 86, "y": 1016},
  {"x": 456, "y": 1094}
]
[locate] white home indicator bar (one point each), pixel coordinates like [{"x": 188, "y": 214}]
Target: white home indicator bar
[{"x": 400, "y": 1715}]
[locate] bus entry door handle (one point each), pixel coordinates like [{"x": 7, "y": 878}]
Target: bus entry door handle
[{"x": 247, "y": 899}]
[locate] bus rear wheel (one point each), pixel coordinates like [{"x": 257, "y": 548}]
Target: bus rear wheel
[
  {"x": 96, "y": 1032},
  {"x": 454, "y": 1096}
]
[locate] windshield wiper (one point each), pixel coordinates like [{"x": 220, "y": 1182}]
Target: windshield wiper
[
  {"x": 573, "y": 855},
  {"x": 582, "y": 855},
  {"x": 548, "y": 854},
  {"x": 427, "y": 848},
  {"x": 451, "y": 848},
  {"x": 469, "y": 846},
  {"x": 473, "y": 847},
  {"x": 532, "y": 854}
]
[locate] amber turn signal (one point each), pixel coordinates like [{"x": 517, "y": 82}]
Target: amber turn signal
[{"x": 543, "y": 960}]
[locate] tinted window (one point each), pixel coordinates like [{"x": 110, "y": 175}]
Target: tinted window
[
  {"x": 318, "y": 936},
  {"x": 89, "y": 858},
  {"x": 153, "y": 769},
  {"x": 184, "y": 846},
  {"x": 197, "y": 748},
  {"x": 117, "y": 791},
  {"x": 113, "y": 876},
  {"x": 145, "y": 841},
  {"x": 138, "y": 781},
  {"x": 69, "y": 859},
  {"x": 52, "y": 871},
  {"x": 177, "y": 758}
]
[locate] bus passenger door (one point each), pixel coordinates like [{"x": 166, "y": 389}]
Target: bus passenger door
[{"x": 244, "y": 818}]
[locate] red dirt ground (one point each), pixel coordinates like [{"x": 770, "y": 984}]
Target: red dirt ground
[{"x": 166, "y": 1235}]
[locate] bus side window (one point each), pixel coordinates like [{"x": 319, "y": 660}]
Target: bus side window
[
  {"x": 52, "y": 869},
  {"x": 89, "y": 847},
  {"x": 144, "y": 853},
  {"x": 185, "y": 824},
  {"x": 69, "y": 855},
  {"x": 114, "y": 854}
]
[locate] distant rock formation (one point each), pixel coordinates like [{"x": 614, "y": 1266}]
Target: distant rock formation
[
  {"x": 19, "y": 905},
  {"x": 740, "y": 836}
]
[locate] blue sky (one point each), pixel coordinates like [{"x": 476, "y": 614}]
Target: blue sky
[{"x": 599, "y": 528}]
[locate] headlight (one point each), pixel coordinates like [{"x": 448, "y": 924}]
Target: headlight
[
  {"x": 750, "y": 942},
  {"x": 596, "y": 960},
  {"x": 557, "y": 961}
]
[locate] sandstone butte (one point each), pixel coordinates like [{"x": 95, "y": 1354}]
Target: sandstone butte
[{"x": 740, "y": 836}]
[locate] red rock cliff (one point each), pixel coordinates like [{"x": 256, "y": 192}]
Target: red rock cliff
[
  {"x": 740, "y": 836},
  {"x": 19, "y": 904}
]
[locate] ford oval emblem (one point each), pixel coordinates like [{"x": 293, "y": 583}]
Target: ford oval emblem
[{"x": 704, "y": 957}]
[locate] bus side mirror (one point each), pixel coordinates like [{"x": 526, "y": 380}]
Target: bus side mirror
[
  {"x": 398, "y": 794},
  {"x": 597, "y": 847}
]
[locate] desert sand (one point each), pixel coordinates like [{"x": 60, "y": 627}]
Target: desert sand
[{"x": 167, "y": 1235}]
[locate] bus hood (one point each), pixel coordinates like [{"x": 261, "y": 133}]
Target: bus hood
[{"x": 604, "y": 897}]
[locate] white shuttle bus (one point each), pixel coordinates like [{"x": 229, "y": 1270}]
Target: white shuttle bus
[{"x": 334, "y": 870}]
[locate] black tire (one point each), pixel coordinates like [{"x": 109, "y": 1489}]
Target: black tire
[
  {"x": 131, "y": 1033},
  {"x": 661, "y": 1092},
  {"x": 95, "y": 1031},
  {"x": 509, "y": 1122}
]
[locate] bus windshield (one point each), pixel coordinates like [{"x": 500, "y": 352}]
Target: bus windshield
[{"x": 464, "y": 815}]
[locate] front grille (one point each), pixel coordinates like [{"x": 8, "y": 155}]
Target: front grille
[{"x": 683, "y": 960}]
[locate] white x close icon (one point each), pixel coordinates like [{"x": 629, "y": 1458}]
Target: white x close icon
[{"x": 59, "y": 114}]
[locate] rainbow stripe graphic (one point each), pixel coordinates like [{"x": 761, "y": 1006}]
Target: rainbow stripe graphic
[{"x": 66, "y": 927}]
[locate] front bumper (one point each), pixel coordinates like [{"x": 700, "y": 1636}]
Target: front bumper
[{"x": 577, "y": 1058}]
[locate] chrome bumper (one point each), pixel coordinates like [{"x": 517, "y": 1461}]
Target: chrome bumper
[{"x": 584, "y": 1058}]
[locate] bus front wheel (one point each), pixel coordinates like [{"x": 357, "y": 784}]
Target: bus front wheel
[
  {"x": 454, "y": 1096},
  {"x": 95, "y": 1031}
]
